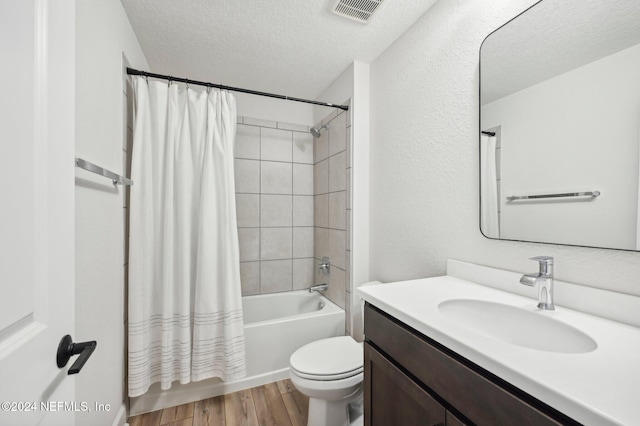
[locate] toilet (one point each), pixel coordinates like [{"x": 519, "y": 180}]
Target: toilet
[{"x": 330, "y": 372}]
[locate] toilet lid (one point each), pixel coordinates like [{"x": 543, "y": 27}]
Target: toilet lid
[{"x": 328, "y": 359}]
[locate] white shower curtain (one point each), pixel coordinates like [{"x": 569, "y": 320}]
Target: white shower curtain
[
  {"x": 185, "y": 308},
  {"x": 489, "y": 187}
]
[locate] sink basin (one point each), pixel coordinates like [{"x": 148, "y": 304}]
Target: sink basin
[{"x": 517, "y": 326}]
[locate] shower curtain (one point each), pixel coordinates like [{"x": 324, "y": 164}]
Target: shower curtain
[
  {"x": 489, "y": 187},
  {"x": 185, "y": 309}
]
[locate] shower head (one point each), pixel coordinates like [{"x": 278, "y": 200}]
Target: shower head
[{"x": 316, "y": 131}]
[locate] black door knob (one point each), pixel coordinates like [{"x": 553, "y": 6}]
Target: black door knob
[{"x": 67, "y": 349}]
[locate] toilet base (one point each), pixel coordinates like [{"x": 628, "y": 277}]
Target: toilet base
[{"x": 331, "y": 413}]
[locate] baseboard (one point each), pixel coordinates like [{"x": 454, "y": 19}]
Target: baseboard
[{"x": 121, "y": 417}]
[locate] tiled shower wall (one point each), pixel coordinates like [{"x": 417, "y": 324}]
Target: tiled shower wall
[
  {"x": 274, "y": 205},
  {"x": 332, "y": 207}
]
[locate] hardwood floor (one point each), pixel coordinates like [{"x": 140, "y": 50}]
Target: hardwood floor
[{"x": 269, "y": 405}]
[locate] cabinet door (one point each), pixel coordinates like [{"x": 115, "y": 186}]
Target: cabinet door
[{"x": 391, "y": 398}]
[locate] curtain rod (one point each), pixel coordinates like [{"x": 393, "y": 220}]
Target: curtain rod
[{"x": 132, "y": 71}]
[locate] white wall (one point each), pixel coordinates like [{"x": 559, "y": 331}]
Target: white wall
[
  {"x": 103, "y": 36},
  {"x": 424, "y": 158},
  {"x": 591, "y": 145}
]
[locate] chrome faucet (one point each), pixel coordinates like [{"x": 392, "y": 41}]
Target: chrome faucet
[
  {"x": 319, "y": 287},
  {"x": 545, "y": 279},
  {"x": 325, "y": 266}
]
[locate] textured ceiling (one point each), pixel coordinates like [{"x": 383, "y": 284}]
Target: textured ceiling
[
  {"x": 289, "y": 47},
  {"x": 553, "y": 37}
]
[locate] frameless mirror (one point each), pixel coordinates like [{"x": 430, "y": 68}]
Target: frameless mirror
[{"x": 560, "y": 125}]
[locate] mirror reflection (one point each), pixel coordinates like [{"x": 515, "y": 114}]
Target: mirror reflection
[{"x": 560, "y": 125}]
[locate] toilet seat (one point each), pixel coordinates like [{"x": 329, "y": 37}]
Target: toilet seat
[{"x": 334, "y": 358}]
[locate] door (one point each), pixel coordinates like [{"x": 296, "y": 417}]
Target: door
[{"x": 37, "y": 108}]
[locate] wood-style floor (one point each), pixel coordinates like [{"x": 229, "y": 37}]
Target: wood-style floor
[{"x": 269, "y": 405}]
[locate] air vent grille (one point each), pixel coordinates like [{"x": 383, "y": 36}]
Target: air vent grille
[{"x": 357, "y": 10}]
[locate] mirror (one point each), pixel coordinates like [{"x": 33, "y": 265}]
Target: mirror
[{"x": 560, "y": 125}]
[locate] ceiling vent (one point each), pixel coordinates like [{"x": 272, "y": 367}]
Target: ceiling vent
[{"x": 356, "y": 10}]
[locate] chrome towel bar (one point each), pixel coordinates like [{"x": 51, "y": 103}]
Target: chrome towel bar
[
  {"x": 561, "y": 195},
  {"x": 117, "y": 179}
]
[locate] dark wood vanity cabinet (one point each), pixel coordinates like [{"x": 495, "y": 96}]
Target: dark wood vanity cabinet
[
  {"x": 394, "y": 398},
  {"x": 410, "y": 379}
]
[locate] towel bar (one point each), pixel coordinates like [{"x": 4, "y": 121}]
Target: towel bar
[
  {"x": 116, "y": 178},
  {"x": 561, "y": 195}
]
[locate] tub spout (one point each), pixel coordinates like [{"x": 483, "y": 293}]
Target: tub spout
[{"x": 319, "y": 287}]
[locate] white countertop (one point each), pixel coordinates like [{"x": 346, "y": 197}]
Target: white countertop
[{"x": 601, "y": 387}]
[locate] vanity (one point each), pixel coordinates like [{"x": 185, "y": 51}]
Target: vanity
[{"x": 458, "y": 349}]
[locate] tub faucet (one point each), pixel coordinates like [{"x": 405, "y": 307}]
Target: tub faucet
[
  {"x": 319, "y": 287},
  {"x": 325, "y": 266},
  {"x": 545, "y": 279}
]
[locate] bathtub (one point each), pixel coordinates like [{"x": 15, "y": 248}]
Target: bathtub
[{"x": 275, "y": 325}]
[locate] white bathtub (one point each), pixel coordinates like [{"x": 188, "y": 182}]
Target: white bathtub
[{"x": 275, "y": 326}]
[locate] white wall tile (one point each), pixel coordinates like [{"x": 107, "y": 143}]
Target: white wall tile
[
  {"x": 321, "y": 242},
  {"x": 276, "y": 275},
  {"x": 250, "y": 278},
  {"x": 247, "y": 142},
  {"x": 294, "y": 127},
  {"x": 248, "y": 210},
  {"x": 249, "y": 241},
  {"x": 330, "y": 180},
  {"x": 337, "y": 210},
  {"x": 303, "y": 179},
  {"x": 321, "y": 177},
  {"x": 303, "y": 270},
  {"x": 276, "y": 178},
  {"x": 321, "y": 211},
  {"x": 303, "y": 210},
  {"x": 276, "y": 210},
  {"x": 276, "y": 145},
  {"x": 303, "y": 148},
  {"x": 276, "y": 243},
  {"x": 303, "y": 242},
  {"x": 247, "y": 176},
  {"x": 338, "y": 172},
  {"x": 275, "y": 227},
  {"x": 336, "y": 290},
  {"x": 336, "y": 248}
]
